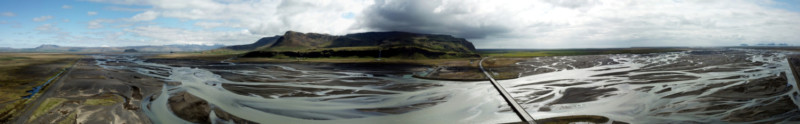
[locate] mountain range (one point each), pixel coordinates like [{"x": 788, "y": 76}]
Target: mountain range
[
  {"x": 369, "y": 44},
  {"x": 293, "y": 44},
  {"x": 164, "y": 48}
]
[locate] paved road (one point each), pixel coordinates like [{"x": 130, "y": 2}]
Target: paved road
[
  {"x": 46, "y": 93},
  {"x": 510, "y": 100}
]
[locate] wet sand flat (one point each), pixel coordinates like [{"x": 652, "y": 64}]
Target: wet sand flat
[{"x": 706, "y": 86}]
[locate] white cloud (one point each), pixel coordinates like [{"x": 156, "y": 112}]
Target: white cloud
[
  {"x": 8, "y": 14},
  {"x": 91, "y": 13},
  {"x": 494, "y": 24},
  {"x": 12, "y": 24},
  {"x": 127, "y": 2},
  {"x": 589, "y": 23},
  {"x": 51, "y": 29},
  {"x": 94, "y": 24},
  {"x": 47, "y": 27},
  {"x": 162, "y": 36},
  {"x": 116, "y": 8},
  {"x": 98, "y": 23},
  {"x": 267, "y": 17},
  {"x": 65, "y": 20},
  {"x": 145, "y": 16},
  {"x": 215, "y": 24},
  {"x": 66, "y": 7},
  {"x": 42, "y": 18}
]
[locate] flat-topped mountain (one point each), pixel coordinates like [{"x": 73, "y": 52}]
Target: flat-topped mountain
[{"x": 370, "y": 44}]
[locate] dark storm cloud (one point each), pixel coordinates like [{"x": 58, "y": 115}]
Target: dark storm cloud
[{"x": 430, "y": 16}]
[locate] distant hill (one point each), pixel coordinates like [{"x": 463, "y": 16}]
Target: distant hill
[
  {"x": 131, "y": 50},
  {"x": 370, "y": 44},
  {"x": 164, "y": 48}
]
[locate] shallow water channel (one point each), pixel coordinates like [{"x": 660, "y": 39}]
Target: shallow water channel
[{"x": 726, "y": 85}]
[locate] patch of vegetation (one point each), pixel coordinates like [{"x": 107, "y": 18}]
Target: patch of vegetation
[
  {"x": 70, "y": 119},
  {"x": 20, "y": 72},
  {"x": 281, "y": 56},
  {"x": 9, "y": 58},
  {"x": 285, "y": 48},
  {"x": 10, "y": 109},
  {"x": 223, "y": 52},
  {"x": 46, "y": 106},
  {"x": 109, "y": 100}
]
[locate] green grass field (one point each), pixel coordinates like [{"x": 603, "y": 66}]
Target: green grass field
[
  {"x": 106, "y": 100},
  {"x": 46, "y": 106},
  {"x": 16, "y": 68},
  {"x": 70, "y": 119},
  {"x": 20, "y": 72}
]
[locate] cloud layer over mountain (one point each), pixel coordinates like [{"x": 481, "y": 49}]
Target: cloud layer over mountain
[{"x": 488, "y": 23}]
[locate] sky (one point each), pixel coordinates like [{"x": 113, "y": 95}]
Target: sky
[{"x": 486, "y": 23}]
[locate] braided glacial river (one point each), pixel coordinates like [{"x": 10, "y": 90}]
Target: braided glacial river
[{"x": 713, "y": 86}]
